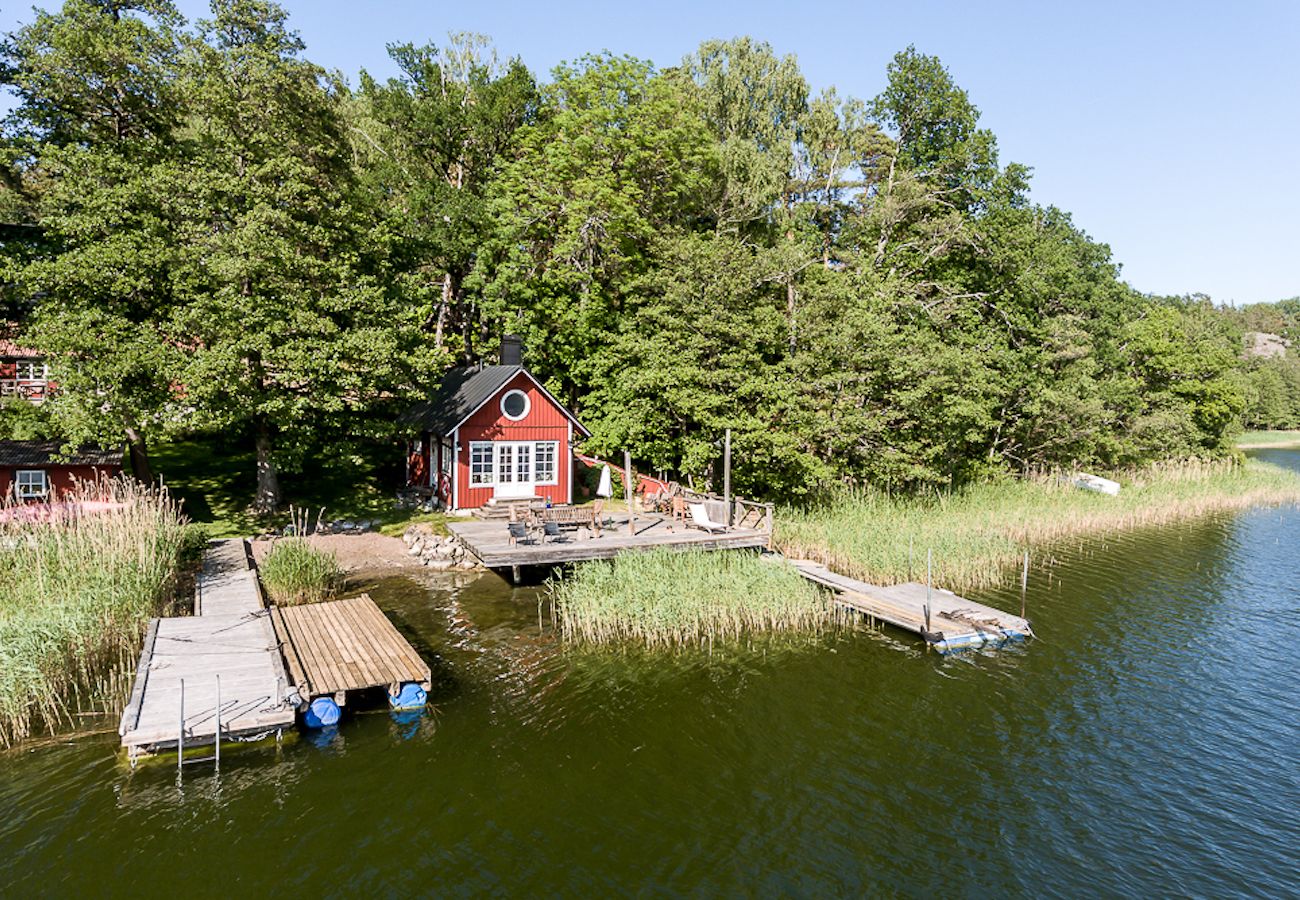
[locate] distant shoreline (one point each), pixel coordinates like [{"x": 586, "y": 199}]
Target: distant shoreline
[{"x": 1268, "y": 440}]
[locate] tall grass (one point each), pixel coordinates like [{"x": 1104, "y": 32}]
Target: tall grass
[
  {"x": 979, "y": 534},
  {"x": 76, "y": 595},
  {"x": 1263, "y": 439},
  {"x": 666, "y": 599},
  {"x": 295, "y": 572}
]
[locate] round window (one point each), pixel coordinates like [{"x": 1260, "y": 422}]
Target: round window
[{"x": 515, "y": 405}]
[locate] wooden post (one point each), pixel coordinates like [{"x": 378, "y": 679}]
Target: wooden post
[
  {"x": 1024, "y": 584},
  {"x": 180, "y": 735},
  {"x": 929, "y": 568},
  {"x": 217, "y": 764},
  {"x": 726, "y": 475},
  {"x": 630, "y": 488}
]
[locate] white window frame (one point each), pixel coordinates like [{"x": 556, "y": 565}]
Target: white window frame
[
  {"x": 24, "y": 492},
  {"x": 478, "y": 475},
  {"x": 35, "y": 371},
  {"x": 528, "y": 405},
  {"x": 555, "y": 462}
]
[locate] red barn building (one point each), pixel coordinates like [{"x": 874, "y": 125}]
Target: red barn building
[
  {"x": 493, "y": 433},
  {"x": 31, "y": 471}
]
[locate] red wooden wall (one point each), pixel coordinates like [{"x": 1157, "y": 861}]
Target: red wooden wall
[
  {"x": 62, "y": 478},
  {"x": 545, "y": 422}
]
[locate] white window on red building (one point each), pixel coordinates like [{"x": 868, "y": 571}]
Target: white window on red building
[
  {"x": 31, "y": 370},
  {"x": 31, "y": 484},
  {"x": 544, "y": 454},
  {"x": 480, "y": 462}
]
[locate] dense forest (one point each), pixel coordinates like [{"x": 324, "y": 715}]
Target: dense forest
[{"x": 205, "y": 230}]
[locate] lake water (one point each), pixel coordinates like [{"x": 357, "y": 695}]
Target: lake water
[{"x": 1145, "y": 744}]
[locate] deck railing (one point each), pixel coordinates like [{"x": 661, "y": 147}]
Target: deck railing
[{"x": 744, "y": 513}]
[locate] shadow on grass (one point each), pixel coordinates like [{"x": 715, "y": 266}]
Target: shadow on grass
[{"x": 215, "y": 477}]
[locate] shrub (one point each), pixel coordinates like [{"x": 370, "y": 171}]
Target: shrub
[
  {"x": 666, "y": 598},
  {"x": 295, "y": 572}
]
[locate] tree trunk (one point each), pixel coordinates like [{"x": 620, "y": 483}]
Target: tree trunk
[
  {"x": 443, "y": 306},
  {"x": 268, "y": 480},
  {"x": 138, "y": 450}
]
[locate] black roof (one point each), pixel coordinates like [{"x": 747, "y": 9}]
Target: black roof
[
  {"x": 39, "y": 454},
  {"x": 462, "y": 391}
]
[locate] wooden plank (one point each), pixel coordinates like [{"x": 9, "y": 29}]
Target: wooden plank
[
  {"x": 131, "y": 715},
  {"x": 414, "y": 665},
  {"x": 344, "y": 648},
  {"x": 350, "y": 644},
  {"x": 385, "y": 660},
  {"x": 296, "y": 673},
  {"x": 325, "y": 675},
  {"x": 313, "y": 657}
]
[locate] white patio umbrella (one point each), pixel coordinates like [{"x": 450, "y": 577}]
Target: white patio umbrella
[{"x": 606, "y": 487}]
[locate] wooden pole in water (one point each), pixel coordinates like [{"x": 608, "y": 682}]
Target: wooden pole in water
[
  {"x": 630, "y": 489},
  {"x": 929, "y": 568},
  {"x": 1024, "y": 584},
  {"x": 180, "y": 734},
  {"x": 726, "y": 474},
  {"x": 217, "y": 764}
]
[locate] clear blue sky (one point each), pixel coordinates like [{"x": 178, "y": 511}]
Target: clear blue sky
[{"x": 1171, "y": 130}]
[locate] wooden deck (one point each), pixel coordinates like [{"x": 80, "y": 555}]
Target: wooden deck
[
  {"x": 345, "y": 645},
  {"x": 489, "y": 540},
  {"x": 232, "y": 639},
  {"x": 955, "y": 622}
]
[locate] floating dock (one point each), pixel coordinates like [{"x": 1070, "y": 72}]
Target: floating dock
[
  {"x": 489, "y": 540},
  {"x": 229, "y": 651},
  {"x": 239, "y": 671},
  {"x": 345, "y": 645},
  {"x": 955, "y": 622}
]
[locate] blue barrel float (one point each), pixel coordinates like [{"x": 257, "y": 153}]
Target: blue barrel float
[
  {"x": 322, "y": 713},
  {"x": 411, "y": 696}
]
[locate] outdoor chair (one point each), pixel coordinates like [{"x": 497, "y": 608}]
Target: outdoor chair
[
  {"x": 518, "y": 533},
  {"x": 700, "y": 519},
  {"x": 552, "y": 530}
]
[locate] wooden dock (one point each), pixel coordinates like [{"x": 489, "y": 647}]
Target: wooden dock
[
  {"x": 955, "y": 622},
  {"x": 247, "y": 670},
  {"x": 230, "y": 648},
  {"x": 489, "y": 540},
  {"x": 345, "y": 645}
]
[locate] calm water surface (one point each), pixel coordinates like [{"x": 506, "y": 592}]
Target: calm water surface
[{"x": 1145, "y": 744}]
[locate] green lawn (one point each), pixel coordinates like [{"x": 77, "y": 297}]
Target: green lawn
[
  {"x": 215, "y": 477},
  {"x": 1269, "y": 439}
]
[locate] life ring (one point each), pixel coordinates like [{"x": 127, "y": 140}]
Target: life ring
[{"x": 444, "y": 487}]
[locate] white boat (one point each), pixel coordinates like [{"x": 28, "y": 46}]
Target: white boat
[{"x": 1096, "y": 483}]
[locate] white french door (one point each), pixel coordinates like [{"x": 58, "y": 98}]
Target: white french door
[{"x": 515, "y": 474}]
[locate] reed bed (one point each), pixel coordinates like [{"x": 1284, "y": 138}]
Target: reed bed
[
  {"x": 666, "y": 599},
  {"x": 78, "y": 589},
  {"x": 1268, "y": 439},
  {"x": 295, "y": 572},
  {"x": 978, "y": 535}
]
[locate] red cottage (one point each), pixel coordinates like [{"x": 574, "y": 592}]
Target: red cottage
[
  {"x": 493, "y": 432},
  {"x": 30, "y": 471}
]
